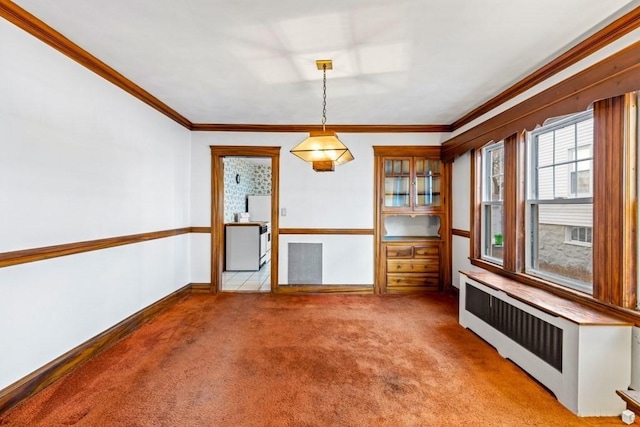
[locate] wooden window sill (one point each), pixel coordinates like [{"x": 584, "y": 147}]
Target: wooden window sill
[{"x": 558, "y": 293}]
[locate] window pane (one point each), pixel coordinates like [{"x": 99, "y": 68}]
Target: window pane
[
  {"x": 556, "y": 254},
  {"x": 396, "y": 191},
  {"x": 493, "y": 237},
  {"x": 545, "y": 185},
  {"x": 494, "y": 173},
  {"x": 493, "y": 196},
  {"x": 544, "y": 148},
  {"x": 497, "y": 188},
  {"x": 428, "y": 190},
  {"x": 497, "y": 176},
  {"x": 562, "y": 181},
  {"x": 559, "y": 229},
  {"x": 584, "y": 134},
  {"x": 396, "y": 183}
]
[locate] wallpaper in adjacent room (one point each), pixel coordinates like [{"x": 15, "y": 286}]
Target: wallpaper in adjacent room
[
  {"x": 261, "y": 180},
  {"x": 254, "y": 179}
]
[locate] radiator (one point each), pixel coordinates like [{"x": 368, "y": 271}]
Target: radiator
[{"x": 582, "y": 365}]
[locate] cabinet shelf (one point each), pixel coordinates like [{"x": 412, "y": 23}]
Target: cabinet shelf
[
  {"x": 408, "y": 176},
  {"x": 419, "y": 194}
]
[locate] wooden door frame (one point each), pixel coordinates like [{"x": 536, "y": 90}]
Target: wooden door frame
[{"x": 217, "y": 206}]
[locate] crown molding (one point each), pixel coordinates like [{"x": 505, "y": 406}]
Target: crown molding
[
  {"x": 37, "y": 28},
  {"x": 590, "y": 45},
  {"x": 613, "y": 76},
  {"x": 226, "y": 127}
]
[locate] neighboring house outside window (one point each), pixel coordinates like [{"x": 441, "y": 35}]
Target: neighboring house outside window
[
  {"x": 580, "y": 174},
  {"x": 560, "y": 201},
  {"x": 493, "y": 202},
  {"x": 578, "y": 235}
]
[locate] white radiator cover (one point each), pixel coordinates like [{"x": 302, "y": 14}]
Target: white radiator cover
[{"x": 596, "y": 359}]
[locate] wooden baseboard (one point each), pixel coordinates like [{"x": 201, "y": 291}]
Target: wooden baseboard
[
  {"x": 41, "y": 378},
  {"x": 200, "y": 288},
  {"x": 324, "y": 289}
]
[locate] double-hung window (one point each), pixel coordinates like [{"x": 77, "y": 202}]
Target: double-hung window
[
  {"x": 560, "y": 202},
  {"x": 493, "y": 203}
]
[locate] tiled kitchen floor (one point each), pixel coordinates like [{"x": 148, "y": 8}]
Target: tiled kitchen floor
[{"x": 248, "y": 281}]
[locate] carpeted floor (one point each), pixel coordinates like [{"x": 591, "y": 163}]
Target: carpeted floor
[{"x": 321, "y": 360}]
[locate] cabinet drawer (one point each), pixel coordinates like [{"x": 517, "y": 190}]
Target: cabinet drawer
[
  {"x": 412, "y": 283},
  {"x": 425, "y": 251},
  {"x": 406, "y": 280},
  {"x": 412, "y": 266},
  {"x": 399, "y": 251}
]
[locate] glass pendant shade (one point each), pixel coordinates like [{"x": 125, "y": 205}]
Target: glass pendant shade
[
  {"x": 323, "y": 149},
  {"x": 323, "y": 146}
]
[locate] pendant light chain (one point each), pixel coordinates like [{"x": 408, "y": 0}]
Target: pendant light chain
[
  {"x": 324, "y": 95},
  {"x": 323, "y": 149}
]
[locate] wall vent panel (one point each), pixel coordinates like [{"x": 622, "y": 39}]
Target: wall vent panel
[{"x": 305, "y": 264}]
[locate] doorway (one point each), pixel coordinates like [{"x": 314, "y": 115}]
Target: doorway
[{"x": 218, "y": 219}]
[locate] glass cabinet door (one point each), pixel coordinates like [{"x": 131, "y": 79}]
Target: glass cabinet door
[
  {"x": 397, "y": 183},
  {"x": 427, "y": 185}
]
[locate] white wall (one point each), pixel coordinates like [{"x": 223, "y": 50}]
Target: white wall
[
  {"x": 461, "y": 216},
  {"x": 81, "y": 160},
  {"x": 340, "y": 199}
]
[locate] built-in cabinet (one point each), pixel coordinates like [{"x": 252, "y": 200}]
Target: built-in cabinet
[
  {"x": 412, "y": 220},
  {"x": 411, "y": 183},
  {"x": 412, "y": 266}
]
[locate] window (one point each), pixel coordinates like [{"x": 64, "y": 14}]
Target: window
[
  {"x": 578, "y": 235},
  {"x": 560, "y": 202},
  {"x": 493, "y": 202},
  {"x": 580, "y": 174}
]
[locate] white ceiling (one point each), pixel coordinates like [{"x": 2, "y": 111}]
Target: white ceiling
[{"x": 395, "y": 61}]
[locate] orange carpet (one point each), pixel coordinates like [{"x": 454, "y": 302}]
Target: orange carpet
[{"x": 318, "y": 360}]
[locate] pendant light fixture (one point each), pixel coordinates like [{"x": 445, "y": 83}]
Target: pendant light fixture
[{"x": 322, "y": 148}]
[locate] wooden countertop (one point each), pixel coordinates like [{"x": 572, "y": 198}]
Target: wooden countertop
[{"x": 546, "y": 301}]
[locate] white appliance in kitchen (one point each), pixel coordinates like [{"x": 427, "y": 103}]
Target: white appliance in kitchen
[
  {"x": 247, "y": 246},
  {"x": 248, "y": 242},
  {"x": 259, "y": 208}
]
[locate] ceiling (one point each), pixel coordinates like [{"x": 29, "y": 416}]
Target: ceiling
[{"x": 395, "y": 61}]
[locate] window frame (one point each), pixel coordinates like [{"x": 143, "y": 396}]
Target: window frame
[
  {"x": 533, "y": 203},
  {"x": 486, "y": 202}
]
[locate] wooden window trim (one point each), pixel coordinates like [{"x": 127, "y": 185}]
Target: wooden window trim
[
  {"x": 514, "y": 203},
  {"x": 615, "y": 212},
  {"x": 614, "y": 201}
]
